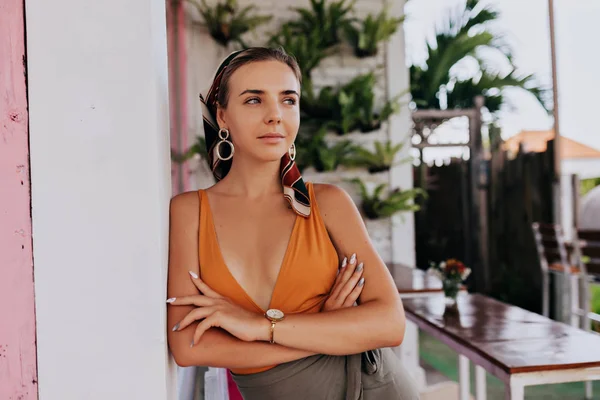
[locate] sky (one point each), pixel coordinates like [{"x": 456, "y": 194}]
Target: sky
[{"x": 526, "y": 28}]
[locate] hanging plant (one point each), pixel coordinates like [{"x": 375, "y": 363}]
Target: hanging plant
[
  {"x": 317, "y": 107},
  {"x": 314, "y": 151},
  {"x": 226, "y": 22},
  {"x": 305, "y": 48},
  {"x": 198, "y": 148},
  {"x": 348, "y": 108},
  {"x": 375, "y": 206},
  {"x": 371, "y": 31},
  {"x": 325, "y": 21},
  {"x": 382, "y": 159}
]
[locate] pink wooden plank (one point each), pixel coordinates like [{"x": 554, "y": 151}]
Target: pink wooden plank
[
  {"x": 183, "y": 91},
  {"x": 177, "y": 57},
  {"x": 18, "y": 372}
]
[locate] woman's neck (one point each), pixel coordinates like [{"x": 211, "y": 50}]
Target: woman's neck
[{"x": 252, "y": 179}]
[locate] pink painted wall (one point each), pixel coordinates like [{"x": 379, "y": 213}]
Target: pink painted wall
[
  {"x": 18, "y": 372},
  {"x": 177, "y": 54}
]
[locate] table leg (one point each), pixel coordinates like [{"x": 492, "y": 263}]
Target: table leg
[
  {"x": 588, "y": 390},
  {"x": 480, "y": 383},
  {"x": 514, "y": 391},
  {"x": 463, "y": 377}
]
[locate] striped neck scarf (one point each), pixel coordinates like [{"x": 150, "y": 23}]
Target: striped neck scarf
[{"x": 294, "y": 189}]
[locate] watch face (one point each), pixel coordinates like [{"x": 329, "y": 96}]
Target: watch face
[{"x": 275, "y": 314}]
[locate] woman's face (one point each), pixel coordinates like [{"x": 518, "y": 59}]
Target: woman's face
[{"x": 262, "y": 113}]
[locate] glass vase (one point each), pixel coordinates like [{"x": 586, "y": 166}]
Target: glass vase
[{"x": 451, "y": 289}]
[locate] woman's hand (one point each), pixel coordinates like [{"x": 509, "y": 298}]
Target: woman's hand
[
  {"x": 218, "y": 311},
  {"x": 347, "y": 286}
]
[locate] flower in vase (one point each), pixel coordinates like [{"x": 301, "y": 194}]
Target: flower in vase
[{"x": 452, "y": 273}]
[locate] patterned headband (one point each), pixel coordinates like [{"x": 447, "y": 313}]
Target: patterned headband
[{"x": 294, "y": 189}]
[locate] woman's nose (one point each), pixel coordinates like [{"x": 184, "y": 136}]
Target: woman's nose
[{"x": 273, "y": 116}]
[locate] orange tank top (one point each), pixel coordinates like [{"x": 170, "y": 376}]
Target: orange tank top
[{"x": 306, "y": 275}]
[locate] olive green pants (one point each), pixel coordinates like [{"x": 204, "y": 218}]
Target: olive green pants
[{"x": 373, "y": 375}]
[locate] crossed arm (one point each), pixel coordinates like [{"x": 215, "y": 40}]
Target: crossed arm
[{"x": 377, "y": 322}]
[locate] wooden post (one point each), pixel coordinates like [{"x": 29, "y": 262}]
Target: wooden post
[
  {"x": 479, "y": 207},
  {"x": 18, "y": 371}
]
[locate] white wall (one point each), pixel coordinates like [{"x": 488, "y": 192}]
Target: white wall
[
  {"x": 98, "y": 100},
  {"x": 394, "y": 239}
]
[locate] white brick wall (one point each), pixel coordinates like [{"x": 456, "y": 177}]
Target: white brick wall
[{"x": 394, "y": 239}]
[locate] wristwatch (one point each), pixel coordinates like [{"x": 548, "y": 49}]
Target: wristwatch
[{"x": 274, "y": 316}]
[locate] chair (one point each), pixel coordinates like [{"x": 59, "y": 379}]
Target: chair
[
  {"x": 586, "y": 246},
  {"x": 578, "y": 268},
  {"x": 554, "y": 258}
]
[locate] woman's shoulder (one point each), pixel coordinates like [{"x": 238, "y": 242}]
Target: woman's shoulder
[
  {"x": 333, "y": 201},
  {"x": 186, "y": 203}
]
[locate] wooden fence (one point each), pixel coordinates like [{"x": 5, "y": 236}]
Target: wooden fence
[{"x": 512, "y": 193}]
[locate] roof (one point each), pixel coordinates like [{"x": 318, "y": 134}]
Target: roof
[{"x": 535, "y": 141}]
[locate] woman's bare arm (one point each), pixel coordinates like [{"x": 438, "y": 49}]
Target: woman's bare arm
[
  {"x": 217, "y": 348},
  {"x": 378, "y": 321}
]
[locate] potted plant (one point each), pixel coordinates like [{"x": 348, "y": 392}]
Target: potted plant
[
  {"x": 349, "y": 107},
  {"x": 317, "y": 153},
  {"x": 375, "y": 206},
  {"x": 226, "y": 22},
  {"x": 372, "y": 31},
  {"x": 327, "y": 22},
  {"x": 382, "y": 159},
  {"x": 452, "y": 273}
]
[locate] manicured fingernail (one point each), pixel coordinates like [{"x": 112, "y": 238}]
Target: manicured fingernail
[
  {"x": 192, "y": 344},
  {"x": 359, "y": 268},
  {"x": 361, "y": 282},
  {"x": 344, "y": 262},
  {"x": 353, "y": 258},
  {"x": 194, "y": 275},
  {"x": 172, "y": 299},
  {"x": 176, "y": 327}
]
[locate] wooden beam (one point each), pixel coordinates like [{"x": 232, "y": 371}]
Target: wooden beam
[{"x": 443, "y": 114}]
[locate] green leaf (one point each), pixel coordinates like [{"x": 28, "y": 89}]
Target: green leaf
[
  {"x": 226, "y": 22},
  {"x": 462, "y": 35},
  {"x": 375, "y": 206}
]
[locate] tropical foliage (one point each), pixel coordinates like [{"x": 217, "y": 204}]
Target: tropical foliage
[
  {"x": 316, "y": 152},
  {"x": 375, "y": 206},
  {"x": 349, "y": 107},
  {"x": 381, "y": 159},
  {"x": 323, "y": 19},
  {"x": 467, "y": 35},
  {"x": 198, "y": 148},
  {"x": 371, "y": 32},
  {"x": 306, "y": 48},
  {"x": 226, "y": 22}
]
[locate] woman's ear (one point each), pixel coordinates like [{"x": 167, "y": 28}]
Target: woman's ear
[{"x": 221, "y": 117}]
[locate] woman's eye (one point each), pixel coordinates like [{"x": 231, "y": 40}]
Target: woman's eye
[
  {"x": 290, "y": 101},
  {"x": 253, "y": 100}
]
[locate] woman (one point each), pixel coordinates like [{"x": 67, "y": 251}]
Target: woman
[{"x": 253, "y": 260}]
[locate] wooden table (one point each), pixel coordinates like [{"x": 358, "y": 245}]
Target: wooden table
[
  {"x": 519, "y": 347},
  {"x": 413, "y": 282}
]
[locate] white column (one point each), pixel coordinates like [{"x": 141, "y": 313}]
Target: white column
[
  {"x": 400, "y": 126},
  {"x": 403, "y": 232},
  {"x": 100, "y": 172}
]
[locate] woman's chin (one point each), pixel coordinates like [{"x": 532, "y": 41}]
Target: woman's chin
[{"x": 270, "y": 155}]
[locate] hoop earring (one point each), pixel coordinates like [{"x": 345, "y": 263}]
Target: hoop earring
[
  {"x": 225, "y": 132},
  {"x": 292, "y": 151}
]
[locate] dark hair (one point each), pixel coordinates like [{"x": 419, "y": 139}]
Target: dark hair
[{"x": 250, "y": 55}]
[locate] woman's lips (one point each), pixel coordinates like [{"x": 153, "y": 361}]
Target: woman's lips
[{"x": 271, "y": 138}]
